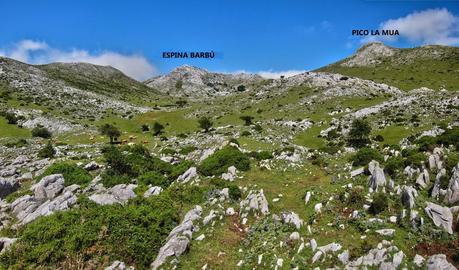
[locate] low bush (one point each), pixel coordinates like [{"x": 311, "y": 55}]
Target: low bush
[
  {"x": 154, "y": 179},
  {"x": 365, "y": 155},
  {"x": 261, "y": 155},
  {"x": 92, "y": 235},
  {"x": 71, "y": 172},
  {"x": 47, "y": 151},
  {"x": 41, "y": 132},
  {"x": 218, "y": 162},
  {"x": 379, "y": 204}
]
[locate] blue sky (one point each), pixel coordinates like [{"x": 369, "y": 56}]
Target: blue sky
[{"x": 254, "y": 36}]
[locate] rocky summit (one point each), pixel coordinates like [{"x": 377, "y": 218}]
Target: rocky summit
[{"x": 351, "y": 166}]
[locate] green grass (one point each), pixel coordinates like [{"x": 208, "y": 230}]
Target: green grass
[{"x": 7, "y": 130}]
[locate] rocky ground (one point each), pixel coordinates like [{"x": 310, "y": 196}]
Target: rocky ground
[{"x": 314, "y": 171}]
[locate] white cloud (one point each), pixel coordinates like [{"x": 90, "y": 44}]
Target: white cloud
[
  {"x": 34, "y": 52},
  {"x": 431, "y": 26}
]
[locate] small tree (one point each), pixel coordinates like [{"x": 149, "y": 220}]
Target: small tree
[
  {"x": 157, "y": 129},
  {"x": 181, "y": 103},
  {"x": 205, "y": 123},
  {"x": 247, "y": 119},
  {"x": 11, "y": 118},
  {"x": 145, "y": 127},
  {"x": 359, "y": 133},
  {"x": 111, "y": 131},
  {"x": 41, "y": 132},
  {"x": 241, "y": 88},
  {"x": 47, "y": 151}
]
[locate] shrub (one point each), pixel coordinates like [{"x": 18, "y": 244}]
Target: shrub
[
  {"x": 258, "y": 128},
  {"x": 365, "y": 155},
  {"x": 41, "y": 132},
  {"x": 262, "y": 155},
  {"x": 111, "y": 131},
  {"x": 19, "y": 143},
  {"x": 379, "y": 138},
  {"x": 154, "y": 179},
  {"x": 379, "y": 204},
  {"x": 219, "y": 162},
  {"x": 415, "y": 159},
  {"x": 47, "y": 151},
  {"x": 91, "y": 232},
  {"x": 117, "y": 161},
  {"x": 112, "y": 178},
  {"x": 157, "y": 129},
  {"x": 241, "y": 88},
  {"x": 145, "y": 127},
  {"x": 234, "y": 192},
  {"x": 245, "y": 133},
  {"x": 247, "y": 119},
  {"x": 356, "y": 198},
  {"x": 393, "y": 165},
  {"x": 11, "y": 118},
  {"x": 426, "y": 143},
  {"x": 187, "y": 149},
  {"x": 205, "y": 123},
  {"x": 71, "y": 172}
]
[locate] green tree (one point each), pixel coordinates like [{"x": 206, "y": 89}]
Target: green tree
[
  {"x": 41, "y": 132},
  {"x": 181, "y": 103},
  {"x": 47, "y": 151},
  {"x": 359, "y": 133},
  {"x": 111, "y": 131},
  {"x": 247, "y": 119},
  {"x": 11, "y": 118},
  {"x": 157, "y": 129},
  {"x": 241, "y": 88},
  {"x": 205, "y": 123}
]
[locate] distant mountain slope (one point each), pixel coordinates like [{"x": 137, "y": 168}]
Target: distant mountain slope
[
  {"x": 435, "y": 67},
  {"x": 76, "y": 91},
  {"x": 193, "y": 82}
]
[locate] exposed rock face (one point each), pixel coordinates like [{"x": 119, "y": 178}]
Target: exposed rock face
[
  {"x": 91, "y": 166},
  {"x": 48, "y": 187},
  {"x": 377, "y": 177},
  {"x": 423, "y": 179},
  {"x": 441, "y": 216},
  {"x": 153, "y": 191},
  {"x": 436, "y": 188},
  {"x": 118, "y": 265},
  {"x": 292, "y": 218},
  {"x": 452, "y": 193},
  {"x": 435, "y": 161},
  {"x": 230, "y": 175},
  {"x": 408, "y": 196},
  {"x": 256, "y": 202},
  {"x": 27, "y": 208},
  {"x": 179, "y": 238},
  {"x": 5, "y": 243},
  {"x": 196, "y": 82},
  {"x": 118, "y": 194},
  {"x": 439, "y": 262},
  {"x": 7, "y": 186},
  {"x": 369, "y": 54},
  {"x": 187, "y": 176}
]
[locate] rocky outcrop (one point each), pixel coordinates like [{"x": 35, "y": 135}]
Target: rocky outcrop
[
  {"x": 436, "y": 190},
  {"x": 408, "y": 195},
  {"x": 292, "y": 218},
  {"x": 6, "y": 243},
  {"x": 441, "y": 216},
  {"x": 452, "y": 193},
  {"x": 230, "y": 174},
  {"x": 48, "y": 187},
  {"x": 27, "y": 208},
  {"x": 423, "y": 179},
  {"x": 377, "y": 178},
  {"x": 179, "y": 238},
  {"x": 255, "y": 202},
  {"x": 188, "y": 175},
  {"x": 118, "y": 194},
  {"x": 153, "y": 191},
  {"x": 7, "y": 186},
  {"x": 439, "y": 262},
  {"x": 118, "y": 265}
]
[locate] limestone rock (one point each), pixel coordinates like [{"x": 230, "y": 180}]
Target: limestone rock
[
  {"x": 439, "y": 262},
  {"x": 452, "y": 193},
  {"x": 423, "y": 179},
  {"x": 187, "y": 176},
  {"x": 118, "y": 194},
  {"x": 377, "y": 177},
  {"x": 153, "y": 191},
  {"x": 441, "y": 216},
  {"x": 256, "y": 202},
  {"x": 118, "y": 265},
  {"x": 292, "y": 218},
  {"x": 48, "y": 187}
]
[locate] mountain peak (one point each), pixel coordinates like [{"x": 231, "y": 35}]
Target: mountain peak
[{"x": 369, "y": 54}]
